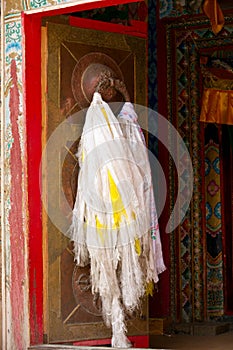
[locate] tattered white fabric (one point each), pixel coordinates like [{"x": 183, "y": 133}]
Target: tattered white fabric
[
  {"x": 129, "y": 122},
  {"x": 111, "y": 221}
]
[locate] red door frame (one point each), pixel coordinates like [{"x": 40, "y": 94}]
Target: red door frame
[{"x": 33, "y": 112}]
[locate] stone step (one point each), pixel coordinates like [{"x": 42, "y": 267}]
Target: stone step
[
  {"x": 205, "y": 328},
  {"x": 72, "y": 347},
  {"x": 65, "y": 347}
]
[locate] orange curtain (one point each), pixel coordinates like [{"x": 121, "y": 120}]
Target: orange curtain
[
  {"x": 212, "y": 10},
  {"x": 217, "y": 106}
]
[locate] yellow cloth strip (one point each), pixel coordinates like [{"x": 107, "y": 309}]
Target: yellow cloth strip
[
  {"x": 99, "y": 228},
  {"x": 137, "y": 246},
  {"x": 117, "y": 203},
  {"x": 217, "y": 106},
  {"x": 106, "y": 118},
  {"x": 213, "y": 11},
  {"x": 150, "y": 288}
]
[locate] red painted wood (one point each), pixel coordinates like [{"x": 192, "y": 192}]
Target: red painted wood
[
  {"x": 96, "y": 342},
  {"x": 141, "y": 341},
  {"x": 32, "y": 86},
  {"x": 137, "y": 28}
]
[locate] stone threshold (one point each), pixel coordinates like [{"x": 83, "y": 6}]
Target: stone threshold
[
  {"x": 73, "y": 347},
  {"x": 65, "y": 347},
  {"x": 202, "y": 328}
]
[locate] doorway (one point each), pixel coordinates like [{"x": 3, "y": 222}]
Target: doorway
[{"x": 57, "y": 314}]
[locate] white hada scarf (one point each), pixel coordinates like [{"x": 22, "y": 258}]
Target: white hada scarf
[{"x": 114, "y": 225}]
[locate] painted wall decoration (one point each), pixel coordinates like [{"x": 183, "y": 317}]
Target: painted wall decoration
[
  {"x": 174, "y": 8},
  {"x": 215, "y": 295},
  {"x": 189, "y": 241},
  {"x": 15, "y": 225},
  {"x": 35, "y": 4},
  {"x": 13, "y": 7}
]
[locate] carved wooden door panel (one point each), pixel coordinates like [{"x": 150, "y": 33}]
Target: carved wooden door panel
[{"x": 71, "y": 313}]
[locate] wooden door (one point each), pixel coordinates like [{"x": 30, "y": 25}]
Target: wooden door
[{"x": 71, "y": 313}]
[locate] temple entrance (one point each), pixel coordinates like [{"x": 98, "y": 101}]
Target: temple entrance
[{"x": 71, "y": 313}]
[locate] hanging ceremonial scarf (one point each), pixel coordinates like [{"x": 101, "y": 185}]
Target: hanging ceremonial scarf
[{"x": 112, "y": 214}]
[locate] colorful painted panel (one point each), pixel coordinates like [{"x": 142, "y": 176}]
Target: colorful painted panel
[
  {"x": 187, "y": 240},
  {"x": 215, "y": 295}
]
